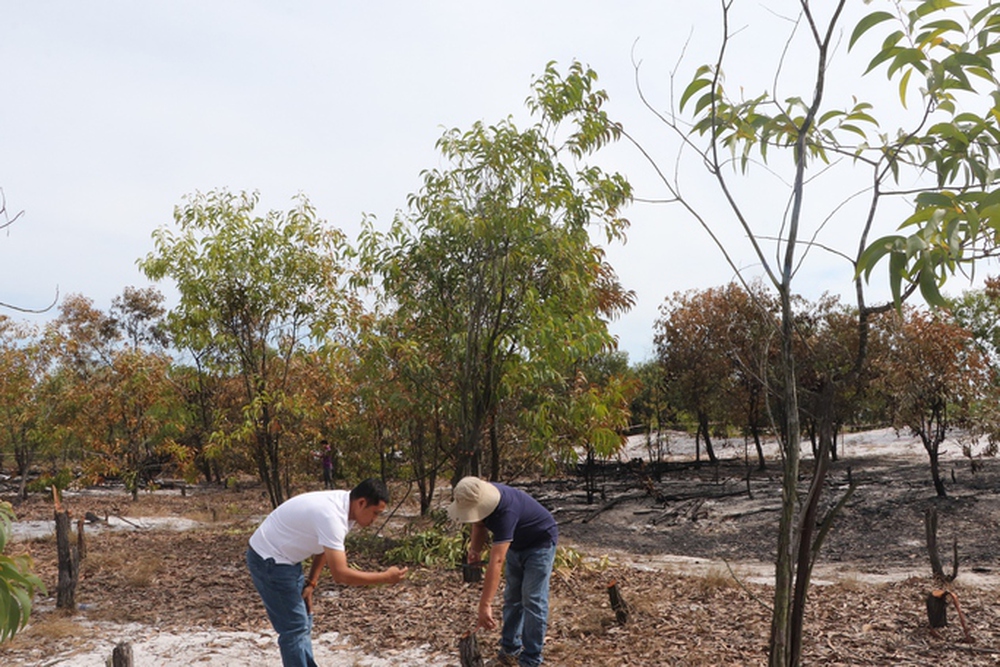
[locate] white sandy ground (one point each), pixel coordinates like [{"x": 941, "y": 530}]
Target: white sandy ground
[
  {"x": 214, "y": 648},
  {"x": 206, "y": 646}
]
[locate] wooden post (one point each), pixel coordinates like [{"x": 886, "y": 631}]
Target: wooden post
[
  {"x": 121, "y": 656},
  {"x": 618, "y": 603},
  {"x": 69, "y": 563},
  {"x": 468, "y": 651}
]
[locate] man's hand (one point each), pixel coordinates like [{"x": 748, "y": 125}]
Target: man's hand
[
  {"x": 394, "y": 574},
  {"x": 307, "y": 595},
  {"x": 485, "y": 619}
]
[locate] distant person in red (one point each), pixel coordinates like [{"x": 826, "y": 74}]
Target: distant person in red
[
  {"x": 524, "y": 537},
  {"x": 311, "y": 524}
]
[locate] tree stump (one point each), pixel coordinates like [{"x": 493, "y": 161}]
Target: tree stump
[
  {"x": 618, "y": 603},
  {"x": 937, "y": 608},
  {"x": 468, "y": 651},
  {"x": 121, "y": 656},
  {"x": 69, "y": 563}
]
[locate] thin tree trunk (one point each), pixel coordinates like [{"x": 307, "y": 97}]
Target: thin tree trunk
[{"x": 781, "y": 627}]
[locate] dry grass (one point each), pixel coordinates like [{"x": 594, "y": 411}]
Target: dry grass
[{"x": 51, "y": 627}]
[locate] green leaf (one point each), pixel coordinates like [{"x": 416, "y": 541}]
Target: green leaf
[
  {"x": 904, "y": 57},
  {"x": 693, "y": 88},
  {"x": 897, "y": 268},
  {"x": 868, "y": 22},
  {"x": 874, "y": 253},
  {"x": 929, "y": 289},
  {"x": 904, "y": 82}
]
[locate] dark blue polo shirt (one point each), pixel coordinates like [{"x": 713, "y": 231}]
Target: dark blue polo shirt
[{"x": 521, "y": 520}]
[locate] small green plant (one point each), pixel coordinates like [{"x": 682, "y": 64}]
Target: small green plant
[
  {"x": 568, "y": 559},
  {"x": 61, "y": 480},
  {"x": 17, "y": 581},
  {"x": 433, "y": 547}
]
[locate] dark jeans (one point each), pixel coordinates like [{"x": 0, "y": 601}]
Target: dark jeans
[
  {"x": 526, "y": 603},
  {"x": 280, "y": 588}
]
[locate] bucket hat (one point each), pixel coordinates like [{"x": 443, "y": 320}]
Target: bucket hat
[{"x": 473, "y": 500}]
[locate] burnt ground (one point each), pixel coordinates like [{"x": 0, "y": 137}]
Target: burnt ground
[
  {"x": 712, "y": 512},
  {"x": 682, "y": 614}
]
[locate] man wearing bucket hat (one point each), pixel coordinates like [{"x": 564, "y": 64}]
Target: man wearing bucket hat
[{"x": 524, "y": 537}]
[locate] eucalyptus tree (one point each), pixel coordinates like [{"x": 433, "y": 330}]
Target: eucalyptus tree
[
  {"x": 23, "y": 371},
  {"x": 694, "y": 358},
  {"x": 807, "y": 136},
  {"x": 112, "y": 372},
  {"x": 827, "y": 344},
  {"x": 978, "y": 311},
  {"x": 254, "y": 289},
  {"x": 651, "y": 410},
  {"x": 495, "y": 265},
  {"x": 935, "y": 380}
]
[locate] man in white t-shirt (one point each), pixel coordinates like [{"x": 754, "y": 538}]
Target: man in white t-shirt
[{"x": 311, "y": 524}]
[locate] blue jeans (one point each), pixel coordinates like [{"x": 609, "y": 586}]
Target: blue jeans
[
  {"x": 526, "y": 603},
  {"x": 280, "y": 588}
]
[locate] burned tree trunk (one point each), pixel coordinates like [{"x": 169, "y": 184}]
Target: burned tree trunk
[
  {"x": 468, "y": 650},
  {"x": 618, "y": 603},
  {"x": 122, "y": 655},
  {"x": 937, "y": 608},
  {"x": 69, "y": 563}
]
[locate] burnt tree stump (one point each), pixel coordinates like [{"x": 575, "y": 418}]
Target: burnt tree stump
[
  {"x": 937, "y": 608},
  {"x": 468, "y": 651},
  {"x": 121, "y": 656},
  {"x": 69, "y": 563},
  {"x": 618, "y": 603}
]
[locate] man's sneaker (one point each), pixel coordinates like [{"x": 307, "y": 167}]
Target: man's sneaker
[{"x": 502, "y": 661}]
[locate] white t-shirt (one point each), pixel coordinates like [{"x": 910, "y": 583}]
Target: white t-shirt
[{"x": 303, "y": 526}]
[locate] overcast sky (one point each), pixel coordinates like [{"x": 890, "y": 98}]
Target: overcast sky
[{"x": 114, "y": 110}]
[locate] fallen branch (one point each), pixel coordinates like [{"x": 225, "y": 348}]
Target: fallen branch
[{"x": 611, "y": 503}]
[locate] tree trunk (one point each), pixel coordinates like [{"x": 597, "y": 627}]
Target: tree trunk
[
  {"x": 494, "y": 450},
  {"x": 934, "y": 452},
  {"x": 618, "y": 603},
  {"x": 705, "y": 429},
  {"x": 807, "y": 550},
  {"x": 755, "y": 430},
  {"x": 468, "y": 650},
  {"x": 81, "y": 544},
  {"x": 122, "y": 655},
  {"x": 781, "y": 625},
  {"x": 69, "y": 563}
]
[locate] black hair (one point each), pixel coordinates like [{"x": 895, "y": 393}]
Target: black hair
[{"x": 373, "y": 490}]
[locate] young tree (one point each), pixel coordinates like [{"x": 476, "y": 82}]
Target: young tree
[
  {"x": 805, "y": 141},
  {"x": 256, "y": 290},
  {"x": 495, "y": 266}
]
